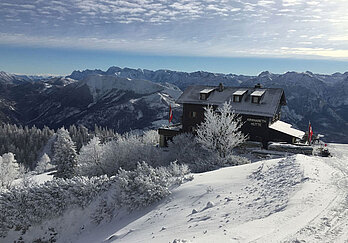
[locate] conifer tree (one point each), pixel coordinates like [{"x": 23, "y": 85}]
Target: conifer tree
[{"x": 64, "y": 155}]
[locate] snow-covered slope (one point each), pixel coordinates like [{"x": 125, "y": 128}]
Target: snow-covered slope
[
  {"x": 295, "y": 199},
  {"x": 122, "y": 104},
  {"x": 99, "y": 85},
  {"x": 10, "y": 78}
]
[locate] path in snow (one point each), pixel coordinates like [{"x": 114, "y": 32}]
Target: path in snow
[{"x": 331, "y": 224}]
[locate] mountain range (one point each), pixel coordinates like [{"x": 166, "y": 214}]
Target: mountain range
[{"x": 130, "y": 99}]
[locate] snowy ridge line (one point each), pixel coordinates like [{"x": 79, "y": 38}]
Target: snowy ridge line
[
  {"x": 331, "y": 223},
  {"x": 293, "y": 199},
  {"x": 268, "y": 201},
  {"x": 214, "y": 203}
]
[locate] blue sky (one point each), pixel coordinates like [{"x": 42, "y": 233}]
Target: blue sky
[{"x": 230, "y": 36}]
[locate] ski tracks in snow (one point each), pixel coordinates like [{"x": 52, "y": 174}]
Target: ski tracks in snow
[{"x": 330, "y": 224}]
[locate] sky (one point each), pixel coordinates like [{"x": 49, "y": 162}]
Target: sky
[{"x": 229, "y": 36}]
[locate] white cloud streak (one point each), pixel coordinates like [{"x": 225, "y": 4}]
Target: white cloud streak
[{"x": 182, "y": 27}]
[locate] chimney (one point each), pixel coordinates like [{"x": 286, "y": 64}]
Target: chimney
[
  {"x": 258, "y": 85},
  {"x": 221, "y": 87}
]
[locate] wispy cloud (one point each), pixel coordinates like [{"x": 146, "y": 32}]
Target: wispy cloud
[{"x": 189, "y": 27}]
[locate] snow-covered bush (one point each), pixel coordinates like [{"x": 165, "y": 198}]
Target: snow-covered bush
[
  {"x": 125, "y": 151},
  {"x": 90, "y": 159},
  {"x": 44, "y": 164},
  {"x": 64, "y": 156},
  {"x": 185, "y": 150},
  {"x": 9, "y": 169},
  {"x": 220, "y": 130},
  {"x": 178, "y": 172},
  {"x": 21, "y": 207},
  {"x": 236, "y": 160},
  {"x": 140, "y": 188},
  {"x": 132, "y": 149},
  {"x": 151, "y": 137}
]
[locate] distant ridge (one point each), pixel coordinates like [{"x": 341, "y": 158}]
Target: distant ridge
[{"x": 321, "y": 99}]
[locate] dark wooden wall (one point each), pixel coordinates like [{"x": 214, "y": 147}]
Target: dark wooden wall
[
  {"x": 189, "y": 122},
  {"x": 276, "y": 136},
  {"x": 255, "y": 127}
]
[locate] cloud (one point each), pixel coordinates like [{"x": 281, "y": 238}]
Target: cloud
[{"x": 186, "y": 27}]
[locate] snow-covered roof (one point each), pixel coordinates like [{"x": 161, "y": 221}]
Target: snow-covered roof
[
  {"x": 206, "y": 91},
  {"x": 272, "y": 98},
  {"x": 258, "y": 93},
  {"x": 240, "y": 92},
  {"x": 286, "y": 128}
]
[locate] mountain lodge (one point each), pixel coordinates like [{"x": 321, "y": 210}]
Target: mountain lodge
[{"x": 259, "y": 109}]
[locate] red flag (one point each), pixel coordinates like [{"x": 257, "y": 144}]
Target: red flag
[
  {"x": 310, "y": 133},
  {"x": 170, "y": 114}
]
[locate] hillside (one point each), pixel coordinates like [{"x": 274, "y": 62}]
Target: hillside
[
  {"x": 320, "y": 99},
  {"x": 293, "y": 199},
  {"x": 122, "y": 104}
]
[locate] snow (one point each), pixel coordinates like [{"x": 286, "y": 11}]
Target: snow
[
  {"x": 38, "y": 179},
  {"x": 99, "y": 85},
  {"x": 258, "y": 93},
  {"x": 287, "y": 129},
  {"x": 240, "y": 92},
  {"x": 297, "y": 198},
  {"x": 159, "y": 123},
  {"x": 42, "y": 178},
  {"x": 206, "y": 91}
]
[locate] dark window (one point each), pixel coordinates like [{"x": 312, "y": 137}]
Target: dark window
[
  {"x": 237, "y": 98},
  {"x": 203, "y": 96},
  {"x": 193, "y": 114},
  {"x": 255, "y": 99}
]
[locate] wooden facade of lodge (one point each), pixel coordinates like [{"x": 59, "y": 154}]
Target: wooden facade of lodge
[{"x": 259, "y": 109}]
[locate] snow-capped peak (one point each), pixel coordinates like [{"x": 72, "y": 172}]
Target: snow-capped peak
[{"x": 100, "y": 84}]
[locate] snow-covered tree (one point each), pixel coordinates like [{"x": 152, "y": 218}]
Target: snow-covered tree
[
  {"x": 26, "y": 143},
  {"x": 220, "y": 130},
  {"x": 131, "y": 149},
  {"x": 9, "y": 169},
  {"x": 64, "y": 156},
  {"x": 90, "y": 159},
  {"x": 151, "y": 137},
  {"x": 186, "y": 150},
  {"x": 44, "y": 164}
]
